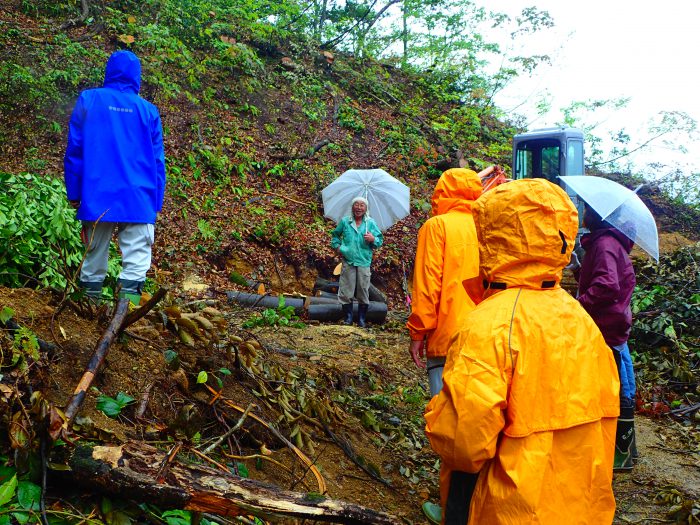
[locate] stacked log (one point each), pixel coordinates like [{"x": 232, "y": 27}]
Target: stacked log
[{"x": 325, "y": 308}]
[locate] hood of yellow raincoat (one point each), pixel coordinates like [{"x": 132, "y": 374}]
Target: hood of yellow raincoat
[
  {"x": 526, "y": 230},
  {"x": 455, "y": 189}
]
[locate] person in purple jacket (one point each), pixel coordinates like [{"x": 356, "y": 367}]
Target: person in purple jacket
[
  {"x": 606, "y": 281},
  {"x": 114, "y": 170}
]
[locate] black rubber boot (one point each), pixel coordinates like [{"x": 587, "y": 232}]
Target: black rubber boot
[
  {"x": 635, "y": 452},
  {"x": 130, "y": 290},
  {"x": 347, "y": 312},
  {"x": 459, "y": 497},
  {"x": 362, "y": 315},
  {"x": 624, "y": 439},
  {"x": 93, "y": 291}
]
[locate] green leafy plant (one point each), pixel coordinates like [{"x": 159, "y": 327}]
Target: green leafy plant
[
  {"x": 414, "y": 395},
  {"x": 25, "y": 347},
  {"x": 184, "y": 517},
  {"x": 349, "y": 117},
  {"x": 177, "y": 517},
  {"x": 665, "y": 337},
  {"x": 276, "y": 171},
  {"x": 203, "y": 376},
  {"x": 206, "y": 231},
  {"x": 39, "y": 235},
  {"x": 112, "y": 407},
  {"x": 19, "y": 499},
  {"x": 280, "y": 316},
  {"x": 6, "y": 314},
  {"x": 274, "y": 231}
]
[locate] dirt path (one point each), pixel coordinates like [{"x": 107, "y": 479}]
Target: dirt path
[{"x": 664, "y": 473}]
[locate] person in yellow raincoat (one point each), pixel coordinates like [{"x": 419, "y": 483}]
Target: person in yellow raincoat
[
  {"x": 530, "y": 396},
  {"x": 446, "y": 255}
]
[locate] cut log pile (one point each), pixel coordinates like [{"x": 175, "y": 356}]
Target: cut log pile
[{"x": 323, "y": 306}]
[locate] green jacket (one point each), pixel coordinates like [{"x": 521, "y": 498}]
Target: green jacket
[{"x": 353, "y": 248}]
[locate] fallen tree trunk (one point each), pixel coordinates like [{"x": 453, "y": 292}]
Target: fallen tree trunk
[
  {"x": 375, "y": 294},
  {"x": 133, "y": 470}
]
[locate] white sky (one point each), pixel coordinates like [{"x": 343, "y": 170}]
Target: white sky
[{"x": 605, "y": 49}]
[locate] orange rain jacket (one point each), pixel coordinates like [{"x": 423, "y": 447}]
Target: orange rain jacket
[
  {"x": 530, "y": 395},
  {"x": 446, "y": 255}
]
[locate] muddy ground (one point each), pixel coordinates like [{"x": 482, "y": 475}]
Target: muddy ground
[{"x": 361, "y": 383}]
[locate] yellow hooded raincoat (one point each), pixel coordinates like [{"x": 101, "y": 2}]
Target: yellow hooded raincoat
[
  {"x": 446, "y": 255},
  {"x": 530, "y": 396}
]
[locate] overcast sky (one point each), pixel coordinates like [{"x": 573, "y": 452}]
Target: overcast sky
[{"x": 605, "y": 49}]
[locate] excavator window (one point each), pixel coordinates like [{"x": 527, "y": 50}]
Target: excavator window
[{"x": 538, "y": 159}]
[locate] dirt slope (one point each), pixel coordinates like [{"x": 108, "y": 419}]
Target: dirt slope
[{"x": 361, "y": 379}]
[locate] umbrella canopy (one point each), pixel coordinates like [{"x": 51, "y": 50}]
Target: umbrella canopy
[
  {"x": 388, "y": 198},
  {"x": 620, "y": 207}
]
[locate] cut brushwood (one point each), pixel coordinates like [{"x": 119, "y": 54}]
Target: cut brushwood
[
  {"x": 61, "y": 420},
  {"x": 96, "y": 362}
]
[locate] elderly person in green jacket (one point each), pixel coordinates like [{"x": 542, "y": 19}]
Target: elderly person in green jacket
[{"x": 355, "y": 238}]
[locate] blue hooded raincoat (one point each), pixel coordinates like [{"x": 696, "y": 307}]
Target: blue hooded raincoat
[{"x": 115, "y": 163}]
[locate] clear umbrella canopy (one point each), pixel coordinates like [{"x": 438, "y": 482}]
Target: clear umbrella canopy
[
  {"x": 620, "y": 207},
  {"x": 388, "y": 198}
]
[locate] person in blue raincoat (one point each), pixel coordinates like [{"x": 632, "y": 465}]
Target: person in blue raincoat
[
  {"x": 114, "y": 169},
  {"x": 355, "y": 239}
]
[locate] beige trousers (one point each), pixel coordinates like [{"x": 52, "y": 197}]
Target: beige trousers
[{"x": 354, "y": 282}]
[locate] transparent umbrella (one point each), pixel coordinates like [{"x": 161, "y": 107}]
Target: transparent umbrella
[
  {"x": 388, "y": 198},
  {"x": 620, "y": 207}
]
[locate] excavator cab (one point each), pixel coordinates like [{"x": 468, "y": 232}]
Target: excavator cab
[{"x": 549, "y": 153}]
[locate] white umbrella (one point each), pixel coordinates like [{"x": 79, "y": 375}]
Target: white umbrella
[
  {"x": 620, "y": 207},
  {"x": 388, "y": 198}
]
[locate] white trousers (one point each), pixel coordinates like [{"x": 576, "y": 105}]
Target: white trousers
[{"x": 135, "y": 243}]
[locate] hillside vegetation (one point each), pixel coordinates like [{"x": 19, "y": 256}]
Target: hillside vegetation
[
  {"x": 258, "y": 119},
  {"x": 263, "y": 105}
]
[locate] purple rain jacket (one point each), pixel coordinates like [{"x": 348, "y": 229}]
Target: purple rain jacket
[
  {"x": 606, "y": 281},
  {"x": 114, "y": 162}
]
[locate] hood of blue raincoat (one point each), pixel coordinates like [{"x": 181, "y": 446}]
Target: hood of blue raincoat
[{"x": 123, "y": 72}]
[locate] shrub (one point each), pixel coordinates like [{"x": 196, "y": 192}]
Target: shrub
[
  {"x": 39, "y": 235},
  {"x": 281, "y": 316}
]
